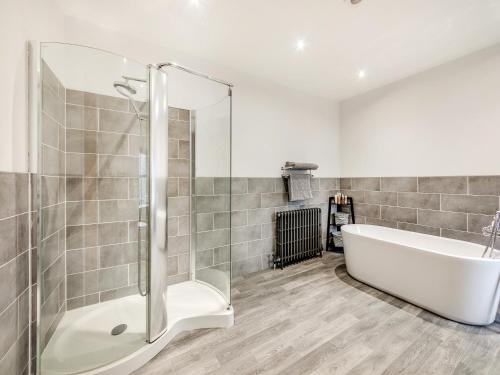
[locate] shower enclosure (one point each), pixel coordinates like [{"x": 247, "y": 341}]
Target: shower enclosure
[{"x": 133, "y": 200}]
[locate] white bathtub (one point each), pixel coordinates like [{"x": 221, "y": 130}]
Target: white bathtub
[{"x": 445, "y": 276}]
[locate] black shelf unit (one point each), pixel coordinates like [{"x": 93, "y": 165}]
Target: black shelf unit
[{"x": 332, "y": 226}]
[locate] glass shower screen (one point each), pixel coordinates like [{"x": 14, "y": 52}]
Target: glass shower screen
[{"x": 92, "y": 189}]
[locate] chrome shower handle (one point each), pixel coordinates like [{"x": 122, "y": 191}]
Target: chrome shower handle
[{"x": 140, "y": 225}]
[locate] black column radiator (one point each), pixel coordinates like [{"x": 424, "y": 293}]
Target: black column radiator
[{"x": 298, "y": 236}]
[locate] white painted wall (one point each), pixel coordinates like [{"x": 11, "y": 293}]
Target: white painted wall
[
  {"x": 445, "y": 121},
  {"x": 20, "y": 20},
  {"x": 271, "y": 123}
]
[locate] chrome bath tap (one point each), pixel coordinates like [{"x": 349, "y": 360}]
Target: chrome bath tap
[{"x": 493, "y": 231}]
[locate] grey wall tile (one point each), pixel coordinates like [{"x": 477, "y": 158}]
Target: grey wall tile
[
  {"x": 204, "y": 222},
  {"x": 113, "y": 278},
  {"x": 82, "y": 141},
  {"x": 357, "y": 196},
  {"x": 222, "y": 185},
  {"x": 204, "y": 258},
  {"x": 96, "y": 100},
  {"x": 50, "y": 131},
  {"x": 118, "y": 166},
  {"x": 115, "y": 255},
  {"x": 419, "y": 228},
  {"x": 180, "y": 206},
  {"x": 81, "y": 164},
  {"x": 184, "y": 150},
  {"x": 204, "y": 185},
  {"x": 407, "y": 215},
  {"x": 78, "y": 117},
  {"x": 82, "y": 260},
  {"x": 439, "y": 219},
  {"x": 53, "y": 162},
  {"x": 81, "y": 236},
  {"x": 329, "y": 183},
  {"x": 113, "y": 233},
  {"x": 369, "y": 210},
  {"x": 260, "y": 216},
  {"x": 419, "y": 200},
  {"x": 113, "y": 143},
  {"x": 172, "y": 187},
  {"x": 178, "y": 130},
  {"x": 274, "y": 200},
  {"x": 184, "y": 225},
  {"x": 464, "y": 236},
  {"x": 484, "y": 185},
  {"x": 222, "y": 255},
  {"x": 53, "y": 105},
  {"x": 8, "y": 240},
  {"x": 380, "y": 197},
  {"x": 258, "y": 247},
  {"x": 469, "y": 203},
  {"x": 216, "y": 203},
  {"x": 345, "y": 184},
  {"x": 222, "y": 220},
  {"x": 245, "y": 201},
  {"x": 261, "y": 185},
  {"x": 239, "y": 251},
  {"x": 448, "y": 185},
  {"x": 246, "y": 266},
  {"x": 8, "y": 327},
  {"x": 476, "y": 223},
  {"x": 245, "y": 234},
  {"x": 78, "y": 188},
  {"x": 173, "y": 148},
  {"x": 382, "y": 223},
  {"x": 119, "y": 122},
  {"x": 239, "y": 185},
  {"x": 184, "y": 187},
  {"x": 212, "y": 239},
  {"x": 366, "y": 183},
  {"x": 83, "y": 212},
  {"x": 178, "y": 168},
  {"x": 179, "y": 244},
  {"x": 281, "y": 184},
  {"x": 239, "y": 218},
  {"x": 399, "y": 184},
  {"x": 113, "y": 188},
  {"x": 118, "y": 210}
]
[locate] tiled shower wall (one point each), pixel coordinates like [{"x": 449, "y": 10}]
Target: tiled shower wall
[
  {"x": 103, "y": 137},
  {"x": 14, "y": 274},
  {"x": 255, "y": 202},
  {"x": 179, "y": 158},
  {"x": 454, "y": 207}
]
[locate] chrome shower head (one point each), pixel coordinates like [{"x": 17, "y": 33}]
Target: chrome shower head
[{"x": 124, "y": 88}]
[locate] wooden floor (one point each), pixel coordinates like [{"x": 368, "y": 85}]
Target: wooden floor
[{"x": 312, "y": 318}]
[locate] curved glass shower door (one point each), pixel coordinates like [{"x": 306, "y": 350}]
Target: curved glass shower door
[
  {"x": 93, "y": 176},
  {"x": 212, "y": 174}
]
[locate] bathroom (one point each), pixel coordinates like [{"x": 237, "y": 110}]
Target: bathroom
[{"x": 114, "y": 262}]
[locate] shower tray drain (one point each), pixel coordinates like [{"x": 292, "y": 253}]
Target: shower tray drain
[{"x": 119, "y": 329}]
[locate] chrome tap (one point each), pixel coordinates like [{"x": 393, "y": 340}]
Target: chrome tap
[{"x": 493, "y": 231}]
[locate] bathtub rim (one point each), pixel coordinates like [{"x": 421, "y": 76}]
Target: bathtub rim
[{"x": 347, "y": 229}]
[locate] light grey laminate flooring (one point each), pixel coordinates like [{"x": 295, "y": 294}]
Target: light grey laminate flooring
[{"x": 312, "y": 318}]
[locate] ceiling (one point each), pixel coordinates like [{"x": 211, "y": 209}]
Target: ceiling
[{"x": 386, "y": 39}]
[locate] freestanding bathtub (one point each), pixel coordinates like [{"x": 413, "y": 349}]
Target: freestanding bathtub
[{"x": 445, "y": 276}]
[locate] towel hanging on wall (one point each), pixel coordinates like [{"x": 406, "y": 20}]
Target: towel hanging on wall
[
  {"x": 299, "y": 187},
  {"x": 302, "y": 166}
]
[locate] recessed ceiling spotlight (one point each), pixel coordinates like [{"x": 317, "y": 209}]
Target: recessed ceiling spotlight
[
  {"x": 354, "y": 2},
  {"x": 301, "y": 44},
  {"x": 195, "y": 2},
  {"x": 361, "y": 74}
]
